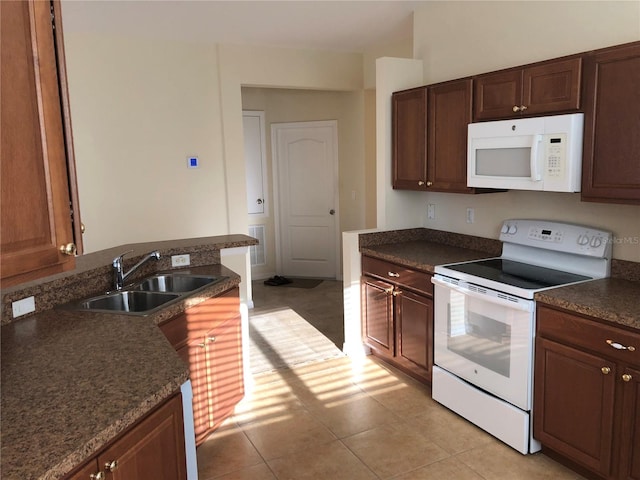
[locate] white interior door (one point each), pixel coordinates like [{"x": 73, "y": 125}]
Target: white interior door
[{"x": 306, "y": 165}]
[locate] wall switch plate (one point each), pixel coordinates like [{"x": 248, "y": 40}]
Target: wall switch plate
[
  {"x": 24, "y": 306},
  {"x": 180, "y": 260},
  {"x": 470, "y": 215},
  {"x": 431, "y": 211}
]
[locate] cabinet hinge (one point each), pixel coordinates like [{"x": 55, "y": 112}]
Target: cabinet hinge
[{"x": 53, "y": 17}]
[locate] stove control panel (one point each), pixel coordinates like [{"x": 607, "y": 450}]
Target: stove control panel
[{"x": 558, "y": 236}]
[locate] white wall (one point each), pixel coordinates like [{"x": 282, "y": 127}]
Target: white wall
[{"x": 455, "y": 39}]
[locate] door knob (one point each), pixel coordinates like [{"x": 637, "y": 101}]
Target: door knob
[
  {"x": 68, "y": 249},
  {"x": 332, "y": 212}
]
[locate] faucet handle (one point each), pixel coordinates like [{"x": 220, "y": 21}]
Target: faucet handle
[{"x": 117, "y": 261}]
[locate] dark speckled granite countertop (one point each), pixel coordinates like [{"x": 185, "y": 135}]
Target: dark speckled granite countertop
[
  {"x": 72, "y": 380},
  {"x": 423, "y": 255},
  {"x": 612, "y": 299}
]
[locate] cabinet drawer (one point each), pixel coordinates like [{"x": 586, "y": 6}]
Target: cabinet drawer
[
  {"x": 176, "y": 330},
  {"x": 397, "y": 274},
  {"x": 589, "y": 334}
]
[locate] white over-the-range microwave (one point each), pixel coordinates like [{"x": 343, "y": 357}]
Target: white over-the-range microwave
[{"x": 540, "y": 153}]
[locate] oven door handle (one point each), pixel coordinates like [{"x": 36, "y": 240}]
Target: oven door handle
[{"x": 524, "y": 305}]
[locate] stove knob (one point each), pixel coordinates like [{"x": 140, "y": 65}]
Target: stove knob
[
  {"x": 583, "y": 240},
  {"x": 505, "y": 228},
  {"x": 596, "y": 242},
  {"x": 512, "y": 229}
]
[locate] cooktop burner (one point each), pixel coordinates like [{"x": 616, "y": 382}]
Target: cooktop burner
[{"x": 521, "y": 275}]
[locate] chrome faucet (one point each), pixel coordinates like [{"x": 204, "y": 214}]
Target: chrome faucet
[{"x": 119, "y": 276}]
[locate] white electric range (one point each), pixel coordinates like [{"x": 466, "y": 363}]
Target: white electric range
[{"x": 484, "y": 321}]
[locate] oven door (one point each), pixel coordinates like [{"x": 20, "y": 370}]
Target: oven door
[{"x": 485, "y": 337}]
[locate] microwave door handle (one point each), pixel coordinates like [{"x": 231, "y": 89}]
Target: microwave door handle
[
  {"x": 525, "y": 306},
  {"x": 535, "y": 164}
]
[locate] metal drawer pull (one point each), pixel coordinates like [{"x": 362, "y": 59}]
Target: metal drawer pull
[
  {"x": 397, "y": 292},
  {"x": 619, "y": 346},
  {"x": 605, "y": 370},
  {"x": 626, "y": 377},
  {"x": 393, "y": 274}
]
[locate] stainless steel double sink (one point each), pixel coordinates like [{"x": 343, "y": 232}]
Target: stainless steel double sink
[{"x": 146, "y": 296}]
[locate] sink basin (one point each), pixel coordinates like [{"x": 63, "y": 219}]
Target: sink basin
[
  {"x": 176, "y": 283},
  {"x": 128, "y": 301}
]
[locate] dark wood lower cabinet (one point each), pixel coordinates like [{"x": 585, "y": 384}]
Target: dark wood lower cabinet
[
  {"x": 154, "y": 448},
  {"x": 587, "y": 393},
  {"x": 574, "y": 404},
  {"x": 414, "y": 337},
  {"x": 208, "y": 338},
  {"x": 397, "y": 316}
]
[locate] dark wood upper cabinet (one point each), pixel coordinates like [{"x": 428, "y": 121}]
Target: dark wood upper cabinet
[
  {"x": 35, "y": 187},
  {"x": 409, "y": 139},
  {"x": 611, "y": 154},
  {"x": 546, "y": 87},
  {"x": 449, "y": 113}
]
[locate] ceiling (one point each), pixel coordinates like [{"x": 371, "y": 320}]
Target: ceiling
[{"x": 347, "y": 26}]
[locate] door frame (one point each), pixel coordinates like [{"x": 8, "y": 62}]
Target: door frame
[{"x": 276, "y": 186}]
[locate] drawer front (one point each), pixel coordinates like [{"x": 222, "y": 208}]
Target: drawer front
[
  {"x": 398, "y": 275},
  {"x": 615, "y": 343},
  {"x": 176, "y": 330}
]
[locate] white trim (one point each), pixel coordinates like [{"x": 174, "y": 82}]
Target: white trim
[{"x": 263, "y": 153}]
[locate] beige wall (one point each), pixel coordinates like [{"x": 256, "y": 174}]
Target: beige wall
[
  {"x": 139, "y": 108},
  {"x": 285, "y": 105},
  {"x": 456, "y": 39}
]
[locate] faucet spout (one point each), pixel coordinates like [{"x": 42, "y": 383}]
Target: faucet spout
[{"x": 119, "y": 275}]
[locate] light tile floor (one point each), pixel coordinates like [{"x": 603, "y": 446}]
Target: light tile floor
[{"x": 356, "y": 419}]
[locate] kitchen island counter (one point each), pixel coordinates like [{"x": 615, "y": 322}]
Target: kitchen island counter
[{"x": 72, "y": 381}]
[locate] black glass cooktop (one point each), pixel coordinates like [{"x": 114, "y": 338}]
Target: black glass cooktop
[{"x": 517, "y": 274}]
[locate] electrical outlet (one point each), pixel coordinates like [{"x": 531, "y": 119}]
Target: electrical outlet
[
  {"x": 24, "y": 306},
  {"x": 431, "y": 211},
  {"x": 470, "y": 215},
  {"x": 180, "y": 260}
]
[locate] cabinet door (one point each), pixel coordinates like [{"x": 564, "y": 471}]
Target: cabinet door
[
  {"x": 86, "y": 472},
  {"x": 152, "y": 449},
  {"x": 35, "y": 210},
  {"x": 611, "y": 154},
  {"x": 551, "y": 87},
  {"x": 495, "y": 94},
  {"x": 201, "y": 380},
  {"x": 450, "y": 110},
  {"x": 630, "y": 439},
  {"x": 409, "y": 139},
  {"x": 414, "y": 330},
  {"x": 224, "y": 357},
  {"x": 573, "y": 404},
  {"x": 377, "y": 315}
]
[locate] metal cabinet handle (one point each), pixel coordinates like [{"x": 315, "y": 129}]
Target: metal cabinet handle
[
  {"x": 332, "y": 212},
  {"x": 211, "y": 339},
  {"x": 605, "y": 370},
  {"x": 388, "y": 291},
  {"x": 420, "y": 183},
  {"x": 69, "y": 249},
  {"x": 396, "y": 292},
  {"x": 523, "y": 108},
  {"x": 516, "y": 108},
  {"x": 429, "y": 184},
  {"x": 626, "y": 377},
  {"x": 393, "y": 274},
  {"x": 619, "y": 346},
  {"x": 111, "y": 466},
  {"x": 98, "y": 476},
  {"x": 259, "y": 201}
]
